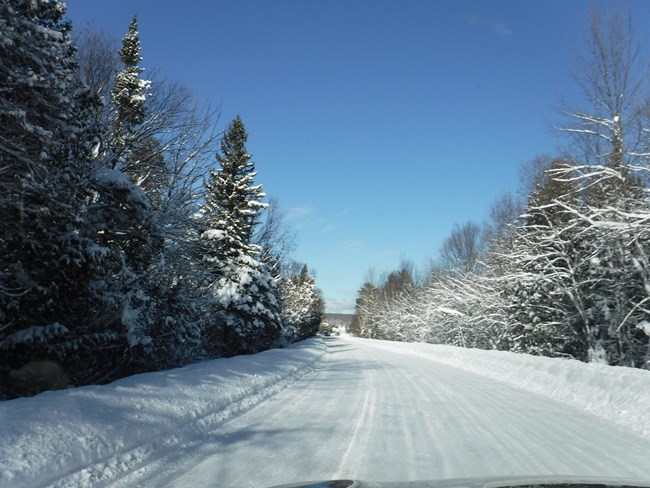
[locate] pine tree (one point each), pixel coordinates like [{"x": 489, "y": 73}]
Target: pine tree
[
  {"x": 128, "y": 93},
  {"x": 546, "y": 306},
  {"x": 148, "y": 177},
  {"x": 122, "y": 213},
  {"x": 302, "y": 305},
  {"x": 243, "y": 289},
  {"x": 47, "y": 263},
  {"x": 122, "y": 217},
  {"x": 232, "y": 192},
  {"x": 551, "y": 187}
]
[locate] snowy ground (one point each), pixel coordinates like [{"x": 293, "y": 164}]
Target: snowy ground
[{"x": 331, "y": 408}]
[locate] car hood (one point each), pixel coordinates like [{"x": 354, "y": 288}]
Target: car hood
[{"x": 489, "y": 482}]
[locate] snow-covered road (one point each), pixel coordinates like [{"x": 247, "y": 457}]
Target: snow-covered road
[
  {"x": 334, "y": 408},
  {"x": 370, "y": 413}
]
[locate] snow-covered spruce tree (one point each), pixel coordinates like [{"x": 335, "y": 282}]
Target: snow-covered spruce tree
[
  {"x": 545, "y": 306},
  {"x": 122, "y": 219},
  {"x": 122, "y": 210},
  {"x": 139, "y": 152},
  {"x": 246, "y": 314},
  {"x": 128, "y": 92},
  {"x": 168, "y": 155},
  {"x": 302, "y": 304},
  {"x": 47, "y": 263}
]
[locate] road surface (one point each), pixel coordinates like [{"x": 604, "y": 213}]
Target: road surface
[{"x": 375, "y": 414}]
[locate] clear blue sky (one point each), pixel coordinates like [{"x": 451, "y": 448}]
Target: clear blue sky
[{"x": 376, "y": 124}]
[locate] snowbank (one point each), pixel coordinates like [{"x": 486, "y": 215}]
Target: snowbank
[
  {"x": 617, "y": 394},
  {"x": 49, "y": 436}
]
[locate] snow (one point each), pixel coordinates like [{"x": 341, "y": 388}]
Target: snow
[
  {"x": 35, "y": 333},
  {"x": 45, "y": 437},
  {"x": 113, "y": 177},
  {"x": 645, "y": 327},
  {"x": 450, "y": 311},
  {"x": 213, "y": 234},
  {"x": 334, "y": 407},
  {"x": 613, "y": 393}
]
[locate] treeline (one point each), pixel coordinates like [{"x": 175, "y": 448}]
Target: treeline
[
  {"x": 563, "y": 268},
  {"x": 124, "y": 246}
]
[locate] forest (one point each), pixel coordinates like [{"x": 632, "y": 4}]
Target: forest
[
  {"x": 134, "y": 235},
  {"x": 561, "y": 267}
]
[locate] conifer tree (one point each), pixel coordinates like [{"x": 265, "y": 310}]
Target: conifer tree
[
  {"x": 543, "y": 296},
  {"x": 147, "y": 176},
  {"x": 302, "y": 305},
  {"x": 549, "y": 188},
  {"x": 122, "y": 218},
  {"x": 47, "y": 263},
  {"x": 137, "y": 152},
  {"x": 243, "y": 289},
  {"x": 232, "y": 192},
  {"x": 128, "y": 93},
  {"x": 123, "y": 210}
]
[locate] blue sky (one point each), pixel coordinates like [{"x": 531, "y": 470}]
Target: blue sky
[{"x": 376, "y": 124}]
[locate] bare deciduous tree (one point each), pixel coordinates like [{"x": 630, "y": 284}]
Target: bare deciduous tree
[
  {"x": 462, "y": 250},
  {"x": 274, "y": 236},
  {"x": 611, "y": 76}
]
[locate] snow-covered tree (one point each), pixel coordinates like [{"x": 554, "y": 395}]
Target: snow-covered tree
[
  {"x": 302, "y": 304},
  {"x": 128, "y": 92},
  {"x": 544, "y": 299},
  {"x": 538, "y": 277},
  {"x": 48, "y": 264},
  {"x": 232, "y": 194},
  {"x": 610, "y": 129},
  {"x": 151, "y": 177},
  {"x": 612, "y": 270},
  {"x": 607, "y": 128},
  {"x": 121, "y": 215},
  {"x": 569, "y": 276},
  {"x": 245, "y": 295},
  {"x": 365, "y": 310}
]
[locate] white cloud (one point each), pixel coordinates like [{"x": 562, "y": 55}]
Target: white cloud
[
  {"x": 340, "y": 305},
  {"x": 491, "y": 25},
  {"x": 500, "y": 28},
  {"x": 299, "y": 213}
]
